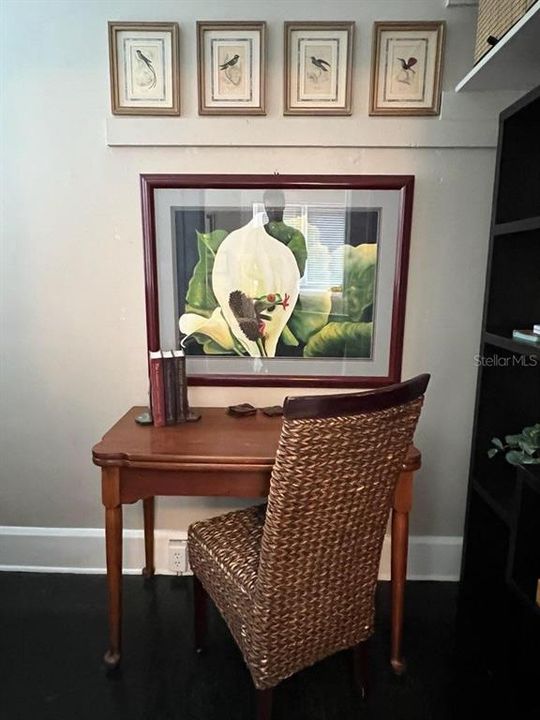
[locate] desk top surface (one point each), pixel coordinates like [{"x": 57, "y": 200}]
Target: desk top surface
[{"x": 216, "y": 439}]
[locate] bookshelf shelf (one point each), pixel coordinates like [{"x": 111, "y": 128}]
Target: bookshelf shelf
[
  {"x": 517, "y": 226},
  {"x": 507, "y": 342}
]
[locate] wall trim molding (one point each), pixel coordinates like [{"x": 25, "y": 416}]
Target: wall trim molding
[{"x": 82, "y": 551}]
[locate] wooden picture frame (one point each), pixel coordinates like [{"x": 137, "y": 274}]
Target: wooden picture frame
[
  {"x": 321, "y": 283},
  {"x": 406, "y": 68},
  {"x": 318, "y": 83},
  {"x": 231, "y": 67},
  {"x": 144, "y": 68}
]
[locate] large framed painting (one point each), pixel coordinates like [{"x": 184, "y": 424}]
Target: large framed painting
[{"x": 284, "y": 280}]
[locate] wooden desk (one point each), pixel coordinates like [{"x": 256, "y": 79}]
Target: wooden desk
[{"x": 218, "y": 456}]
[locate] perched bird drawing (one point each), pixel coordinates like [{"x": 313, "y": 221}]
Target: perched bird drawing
[
  {"x": 320, "y": 63},
  {"x": 148, "y": 63},
  {"x": 230, "y": 63},
  {"x": 406, "y": 69}
]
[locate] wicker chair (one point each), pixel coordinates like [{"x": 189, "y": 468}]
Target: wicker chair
[{"x": 295, "y": 580}]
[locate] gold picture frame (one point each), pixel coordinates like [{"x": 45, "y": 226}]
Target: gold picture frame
[
  {"x": 144, "y": 68},
  {"x": 406, "y": 68},
  {"x": 231, "y": 67},
  {"x": 318, "y": 84}
]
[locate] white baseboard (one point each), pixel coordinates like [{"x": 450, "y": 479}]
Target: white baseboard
[{"x": 82, "y": 550}]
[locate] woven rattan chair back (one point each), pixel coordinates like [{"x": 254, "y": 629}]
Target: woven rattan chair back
[{"x": 331, "y": 489}]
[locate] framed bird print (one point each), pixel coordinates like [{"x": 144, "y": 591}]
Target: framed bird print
[
  {"x": 318, "y": 68},
  {"x": 231, "y": 67},
  {"x": 406, "y": 68},
  {"x": 144, "y": 72},
  {"x": 284, "y": 280}
]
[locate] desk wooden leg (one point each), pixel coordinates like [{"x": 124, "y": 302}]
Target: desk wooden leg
[
  {"x": 400, "y": 546},
  {"x": 148, "y": 509},
  {"x": 113, "y": 542}
]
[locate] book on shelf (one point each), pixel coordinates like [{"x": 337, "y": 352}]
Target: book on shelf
[
  {"x": 169, "y": 375},
  {"x": 180, "y": 381},
  {"x": 157, "y": 388},
  {"x": 526, "y": 336},
  {"x": 169, "y": 388}
]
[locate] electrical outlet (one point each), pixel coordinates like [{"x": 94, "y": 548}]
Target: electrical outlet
[{"x": 178, "y": 556}]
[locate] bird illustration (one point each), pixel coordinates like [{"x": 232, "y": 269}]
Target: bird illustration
[
  {"x": 320, "y": 63},
  {"x": 407, "y": 64},
  {"x": 404, "y": 75},
  {"x": 230, "y": 63},
  {"x": 150, "y": 67}
]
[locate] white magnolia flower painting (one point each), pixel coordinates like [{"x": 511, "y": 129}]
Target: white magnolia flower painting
[{"x": 249, "y": 292}]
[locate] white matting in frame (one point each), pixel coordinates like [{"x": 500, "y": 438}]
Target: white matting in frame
[
  {"x": 231, "y": 68},
  {"x": 318, "y": 67}
]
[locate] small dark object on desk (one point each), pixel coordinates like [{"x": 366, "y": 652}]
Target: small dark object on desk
[
  {"x": 242, "y": 410},
  {"x": 272, "y": 411},
  {"x": 144, "y": 418}
]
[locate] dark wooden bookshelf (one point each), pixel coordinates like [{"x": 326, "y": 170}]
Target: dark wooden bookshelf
[{"x": 498, "y": 618}]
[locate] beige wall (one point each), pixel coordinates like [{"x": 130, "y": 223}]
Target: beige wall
[{"x": 73, "y": 323}]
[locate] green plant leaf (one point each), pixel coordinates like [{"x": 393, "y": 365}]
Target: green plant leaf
[
  {"x": 495, "y": 441},
  {"x": 200, "y": 297},
  {"x": 527, "y": 447},
  {"x": 515, "y": 457},
  {"x": 341, "y": 339},
  {"x": 532, "y": 435},
  {"x": 292, "y": 238},
  {"x": 492, "y": 452},
  {"x": 310, "y": 314}
]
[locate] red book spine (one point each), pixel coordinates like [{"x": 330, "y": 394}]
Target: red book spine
[{"x": 157, "y": 389}]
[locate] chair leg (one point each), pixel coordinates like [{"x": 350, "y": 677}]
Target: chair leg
[
  {"x": 264, "y": 704},
  {"x": 199, "y": 606},
  {"x": 361, "y": 668}
]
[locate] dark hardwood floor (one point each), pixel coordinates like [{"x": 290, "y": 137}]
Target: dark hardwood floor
[{"x": 53, "y": 635}]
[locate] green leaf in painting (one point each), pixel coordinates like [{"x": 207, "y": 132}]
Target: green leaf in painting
[
  {"x": 288, "y": 338},
  {"x": 292, "y": 238},
  {"x": 200, "y": 296},
  {"x": 341, "y": 339},
  {"x": 310, "y": 314},
  {"x": 359, "y": 265}
]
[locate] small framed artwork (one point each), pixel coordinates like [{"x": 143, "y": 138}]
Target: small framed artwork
[
  {"x": 143, "y": 60},
  {"x": 318, "y": 68},
  {"x": 406, "y": 68},
  {"x": 231, "y": 67},
  {"x": 283, "y": 280}
]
